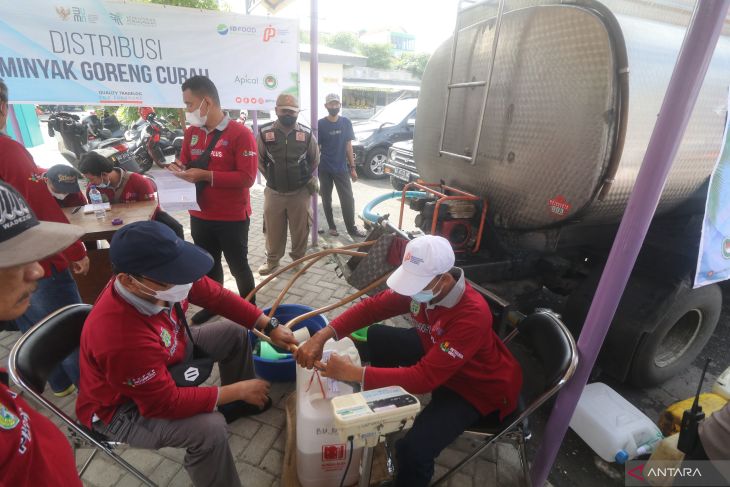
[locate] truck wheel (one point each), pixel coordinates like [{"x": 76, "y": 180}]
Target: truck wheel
[
  {"x": 397, "y": 184},
  {"x": 681, "y": 335},
  {"x": 375, "y": 163}
]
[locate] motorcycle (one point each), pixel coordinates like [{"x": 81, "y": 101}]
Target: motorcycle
[
  {"x": 151, "y": 141},
  {"x": 106, "y": 127},
  {"x": 74, "y": 140}
]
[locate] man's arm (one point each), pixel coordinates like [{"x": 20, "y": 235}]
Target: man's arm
[
  {"x": 261, "y": 153},
  {"x": 313, "y": 153},
  {"x": 210, "y": 295},
  {"x": 243, "y": 174}
]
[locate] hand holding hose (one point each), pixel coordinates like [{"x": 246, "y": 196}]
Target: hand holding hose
[{"x": 310, "y": 352}]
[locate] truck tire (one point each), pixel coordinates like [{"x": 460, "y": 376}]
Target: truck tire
[
  {"x": 398, "y": 184},
  {"x": 678, "y": 338},
  {"x": 374, "y": 163}
]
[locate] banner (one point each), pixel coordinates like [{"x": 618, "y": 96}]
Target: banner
[
  {"x": 96, "y": 52},
  {"x": 713, "y": 262}
]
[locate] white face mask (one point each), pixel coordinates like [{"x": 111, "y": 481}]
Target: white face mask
[
  {"x": 426, "y": 295},
  {"x": 59, "y": 196},
  {"x": 195, "y": 118},
  {"x": 175, "y": 294}
]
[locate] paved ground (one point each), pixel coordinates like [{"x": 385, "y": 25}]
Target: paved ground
[{"x": 258, "y": 443}]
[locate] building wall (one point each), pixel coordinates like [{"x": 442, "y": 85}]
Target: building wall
[{"x": 330, "y": 81}]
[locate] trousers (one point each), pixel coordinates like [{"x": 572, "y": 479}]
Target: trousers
[
  {"x": 208, "y": 458},
  {"x": 342, "y": 182},
  {"x": 282, "y": 210}
]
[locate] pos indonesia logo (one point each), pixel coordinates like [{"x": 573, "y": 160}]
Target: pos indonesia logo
[{"x": 270, "y": 81}]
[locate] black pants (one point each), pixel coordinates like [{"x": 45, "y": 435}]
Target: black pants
[
  {"x": 231, "y": 240},
  {"x": 344, "y": 190},
  {"x": 439, "y": 424}
]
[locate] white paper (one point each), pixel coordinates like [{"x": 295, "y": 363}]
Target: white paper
[
  {"x": 174, "y": 193},
  {"x": 90, "y": 208}
]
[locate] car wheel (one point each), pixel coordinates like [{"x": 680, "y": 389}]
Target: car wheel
[
  {"x": 678, "y": 338},
  {"x": 375, "y": 163},
  {"x": 398, "y": 184}
]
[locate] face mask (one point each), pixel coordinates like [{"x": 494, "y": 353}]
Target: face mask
[
  {"x": 287, "y": 120},
  {"x": 59, "y": 196},
  {"x": 102, "y": 184},
  {"x": 333, "y": 111},
  {"x": 195, "y": 118},
  {"x": 426, "y": 295},
  {"x": 175, "y": 294}
]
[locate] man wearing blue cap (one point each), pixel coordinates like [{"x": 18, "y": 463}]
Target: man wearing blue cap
[{"x": 136, "y": 357}]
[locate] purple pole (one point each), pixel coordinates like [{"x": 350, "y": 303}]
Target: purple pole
[
  {"x": 679, "y": 100},
  {"x": 255, "y": 126},
  {"x": 16, "y": 125},
  {"x": 313, "y": 84}
]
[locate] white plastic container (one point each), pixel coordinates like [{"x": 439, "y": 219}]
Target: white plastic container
[
  {"x": 615, "y": 429},
  {"x": 321, "y": 454}
]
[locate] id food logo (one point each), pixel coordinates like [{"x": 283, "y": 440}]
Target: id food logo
[{"x": 224, "y": 29}]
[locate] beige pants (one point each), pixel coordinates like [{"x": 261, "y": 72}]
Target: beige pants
[{"x": 279, "y": 209}]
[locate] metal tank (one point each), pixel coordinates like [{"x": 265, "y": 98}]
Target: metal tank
[{"x": 564, "y": 125}]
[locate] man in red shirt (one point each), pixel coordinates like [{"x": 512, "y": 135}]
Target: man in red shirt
[
  {"x": 222, "y": 175},
  {"x": 135, "y": 337},
  {"x": 451, "y": 351},
  {"x": 32, "y": 450},
  {"x": 118, "y": 185},
  {"x": 57, "y": 288}
]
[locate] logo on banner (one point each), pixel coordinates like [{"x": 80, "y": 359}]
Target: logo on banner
[
  {"x": 270, "y": 81},
  {"x": 222, "y": 29},
  {"x": 63, "y": 13},
  {"x": 269, "y": 33},
  {"x": 726, "y": 248}
]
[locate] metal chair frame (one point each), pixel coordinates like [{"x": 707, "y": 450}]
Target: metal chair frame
[
  {"x": 515, "y": 430},
  {"x": 78, "y": 434}
]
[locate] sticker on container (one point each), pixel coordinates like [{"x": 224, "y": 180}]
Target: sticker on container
[{"x": 559, "y": 207}]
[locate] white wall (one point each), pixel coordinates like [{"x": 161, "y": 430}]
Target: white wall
[{"x": 330, "y": 81}]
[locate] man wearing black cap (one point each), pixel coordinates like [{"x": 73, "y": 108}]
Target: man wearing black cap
[
  {"x": 63, "y": 183},
  {"x": 32, "y": 450},
  {"x": 135, "y": 337}
]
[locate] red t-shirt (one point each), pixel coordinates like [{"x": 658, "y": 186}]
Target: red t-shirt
[
  {"x": 18, "y": 170},
  {"x": 137, "y": 188},
  {"x": 462, "y": 352},
  {"x": 125, "y": 355},
  {"x": 233, "y": 162},
  {"x": 32, "y": 450}
]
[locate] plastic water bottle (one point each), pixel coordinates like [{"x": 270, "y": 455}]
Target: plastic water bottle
[{"x": 98, "y": 203}]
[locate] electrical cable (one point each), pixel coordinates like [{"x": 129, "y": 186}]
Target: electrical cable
[{"x": 349, "y": 460}]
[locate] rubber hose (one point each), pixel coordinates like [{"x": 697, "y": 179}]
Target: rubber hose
[{"x": 367, "y": 212}]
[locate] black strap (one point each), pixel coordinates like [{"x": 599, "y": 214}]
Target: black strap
[
  {"x": 181, "y": 317},
  {"x": 204, "y": 159}
]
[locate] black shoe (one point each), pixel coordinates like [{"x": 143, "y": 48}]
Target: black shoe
[
  {"x": 201, "y": 317},
  {"x": 240, "y": 409}
]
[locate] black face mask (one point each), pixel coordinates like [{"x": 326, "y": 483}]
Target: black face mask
[
  {"x": 287, "y": 120},
  {"x": 333, "y": 111}
]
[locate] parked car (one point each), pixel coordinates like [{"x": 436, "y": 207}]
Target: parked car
[
  {"x": 394, "y": 123},
  {"x": 401, "y": 167}
]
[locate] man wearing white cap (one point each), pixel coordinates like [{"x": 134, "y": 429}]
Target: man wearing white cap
[{"x": 450, "y": 351}]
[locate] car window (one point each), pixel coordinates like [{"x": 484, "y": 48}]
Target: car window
[{"x": 395, "y": 112}]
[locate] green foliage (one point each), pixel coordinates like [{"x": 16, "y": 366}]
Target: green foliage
[
  {"x": 204, "y": 4},
  {"x": 415, "y": 63},
  {"x": 379, "y": 55},
  {"x": 129, "y": 115},
  {"x": 344, "y": 41}
]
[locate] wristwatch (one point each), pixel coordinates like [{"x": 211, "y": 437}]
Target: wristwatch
[{"x": 273, "y": 323}]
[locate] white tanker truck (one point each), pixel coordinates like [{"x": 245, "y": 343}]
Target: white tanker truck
[{"x": 545, "y": 111}]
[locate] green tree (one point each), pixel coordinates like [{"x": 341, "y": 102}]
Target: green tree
[
  {"x": 415, "y": 63},
  {"x": 379, "y": 55},
  {"x": 344, "y": 41}
]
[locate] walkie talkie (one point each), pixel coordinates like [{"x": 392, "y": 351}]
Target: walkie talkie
[{"x": 688, "y": 432}]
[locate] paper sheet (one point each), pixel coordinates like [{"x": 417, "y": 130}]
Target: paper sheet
[{"x": 175, "y": 194}]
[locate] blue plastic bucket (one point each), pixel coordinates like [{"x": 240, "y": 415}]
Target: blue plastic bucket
[{"x": 284, "y": 370}]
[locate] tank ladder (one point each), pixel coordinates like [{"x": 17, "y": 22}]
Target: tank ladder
[{"x": 470, "y": 156}]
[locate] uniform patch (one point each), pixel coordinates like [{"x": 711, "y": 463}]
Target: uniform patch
[
  {"x": 249, "y": 153},
  {"x": 269, "y": 136},
  {"x": 415, "y": 306},
  {"x": 146, "y": 377},
  {"x": 451, "y": 351},
  {"x": 194, "y": 140},
  {"x": 301, "y": 136},
  {"x": 166, "y": 338},
  {"x": 8, "y": 420}
]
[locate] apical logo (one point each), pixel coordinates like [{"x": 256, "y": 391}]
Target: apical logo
[
  {"x": 270, "y": 81},
  {"x": 269, "y": 33},
  {"x": 222, "y": 29}
]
